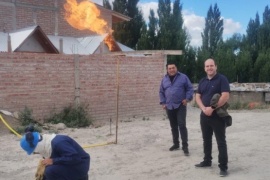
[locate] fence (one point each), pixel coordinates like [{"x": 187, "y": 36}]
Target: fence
[{"x": 47, "y": 83}]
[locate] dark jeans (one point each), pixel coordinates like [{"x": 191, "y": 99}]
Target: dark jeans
[
  {"x": 177, "y": 119},
  {"x": 217, "y": 125}
]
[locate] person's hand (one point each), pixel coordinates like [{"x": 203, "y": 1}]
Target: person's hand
[
  {"x": 164, "y": 106},
  {"x": 40, "y": 171},
  {"x": 184, "y": 102},
  {"x": 208, "y": 111},
  {"x": 47, "y": 161}
]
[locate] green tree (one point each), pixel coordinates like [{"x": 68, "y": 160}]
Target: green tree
[
  {"x": 120, "y": 6},
  {"x": 148, "y": 39},
  {"x": 265, "y": 73},
  {"x": 243, "y": 67},
  {"x": 107, "y": 4},
  {"x": 202, "y": 55},
  {"x": 252, "y": 38},
  {"x": 225, "y": 59},
  {"x": 171, "y": 34},
  {"x": 143, "y": 42},
  {"x": 188, "y": 64},
  {"x": 213, "y": 31},
  {"x": 153, "y": 29},
  {"x": 260, "y": 65},
  {"x": 264, "y": 31},
  {"x": 128, "y": 33},
  {"x": 165, "y": 34}
]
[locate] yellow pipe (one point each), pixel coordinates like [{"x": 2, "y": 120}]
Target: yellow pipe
[
  {"x": 20, "y": 136},
  {"x": 95, "y": 145}
]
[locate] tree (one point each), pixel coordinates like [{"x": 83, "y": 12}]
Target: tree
[
  {"x": 225, "y": 59},
  {"x": 265, "y": 73},
  {"x": 153, "y": 29},
  {"x": 106, "y": 4},
  {"x": 252, "y": 38},
  {"x": 211, "y": 39},
  {"x": 164, "y": 35},
  {"x": 188, "y": 64},
  {"x": 172, "y": 35},
  {"x": 213, "y": 31},
  {"x": 264, "y": 31},
  {"x": 128, "y": 33},
  {"x": 260, "y": 65},
  {"x": 243, "y": 67},
  {"x": 148, "y": 39},
  {"x": 120, "y": 6},
  {"x": 143, "y": 42}
]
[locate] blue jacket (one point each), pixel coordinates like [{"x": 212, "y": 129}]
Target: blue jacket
[
  {"x": 173, "y": 93},
  {"x": 70, "y": 161}
]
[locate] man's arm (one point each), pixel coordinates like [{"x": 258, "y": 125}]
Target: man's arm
[
  {"x": 199, "y": 101},
  {"x": 162, "y": 97},
  {"x": 223, "y": 99},
  {"x": 206, "y": 110}
]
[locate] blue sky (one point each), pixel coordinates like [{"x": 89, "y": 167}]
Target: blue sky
[{"x": 235, "y": 13}]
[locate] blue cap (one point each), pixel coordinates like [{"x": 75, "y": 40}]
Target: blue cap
[{"x": 29, "y": 142}]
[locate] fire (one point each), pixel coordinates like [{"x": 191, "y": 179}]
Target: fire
[
  {"x": 110, "y": 42},
  {"x": 85, "y": 16}
]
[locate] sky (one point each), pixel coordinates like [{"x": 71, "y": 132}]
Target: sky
[{"x": 236, "y": 15}]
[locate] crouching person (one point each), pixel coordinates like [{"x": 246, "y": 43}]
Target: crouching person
[{"x": 64, "y": 158}]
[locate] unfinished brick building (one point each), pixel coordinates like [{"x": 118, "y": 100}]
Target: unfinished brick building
[{"x": 112, "y": 86}]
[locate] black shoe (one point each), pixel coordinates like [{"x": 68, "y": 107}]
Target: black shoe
[
  {"x": 223, "y": 173},
  {"x": 203, "y": 164},
  {"x": 174, "y": 147},
  {"x": 186, "y": 152}
]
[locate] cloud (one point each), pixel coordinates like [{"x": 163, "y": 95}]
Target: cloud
[
  {"x": 193, "y": 23},
  {"x": 231, "y": 27},
  {"x": 145, "y": 7}
]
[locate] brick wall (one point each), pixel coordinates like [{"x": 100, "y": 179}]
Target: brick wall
[
  {"x": 46, "y": 83},
  {"x": 48, "y": 14}
]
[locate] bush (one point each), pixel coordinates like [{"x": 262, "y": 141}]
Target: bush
[
  {"x": 25, "y": 116},
  {"x": 72, "y": 117},
  {"x": 26, "y": 119},
  {"x": 21, "y": 129}
]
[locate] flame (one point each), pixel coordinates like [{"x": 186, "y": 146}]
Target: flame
[
  {"x": 85, "y": 16},
  {"x": 110, "y": 43}
]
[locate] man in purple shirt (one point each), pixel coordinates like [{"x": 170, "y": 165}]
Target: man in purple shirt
[{"x": 175, "y": 91}]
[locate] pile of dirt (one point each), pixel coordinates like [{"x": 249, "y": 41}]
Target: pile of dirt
[{"x": 10, "y": 121}]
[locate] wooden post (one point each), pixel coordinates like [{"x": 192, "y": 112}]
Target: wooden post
[
  {"x": 9, "y": 44},
  {"x": 117, "y": 98},
  {"x": 77, "y": 80}
]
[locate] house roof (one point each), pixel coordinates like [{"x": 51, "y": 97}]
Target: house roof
[
  {"x": 19, "y": 38},
  {"x": 37, "y": 33},
  {"x": 116, "y": 17},
  {"x": 71, "y": 45}
]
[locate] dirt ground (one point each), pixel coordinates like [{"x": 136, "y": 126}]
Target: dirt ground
[{"x": 142, "y": 151}]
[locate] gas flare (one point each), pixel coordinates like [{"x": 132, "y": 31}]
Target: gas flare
[{"x": 85, "y": 16}]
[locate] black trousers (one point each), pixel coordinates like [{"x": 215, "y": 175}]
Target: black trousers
[
  {"x": 216, "y": 125},
  {"x": 177, "y": 119}
]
